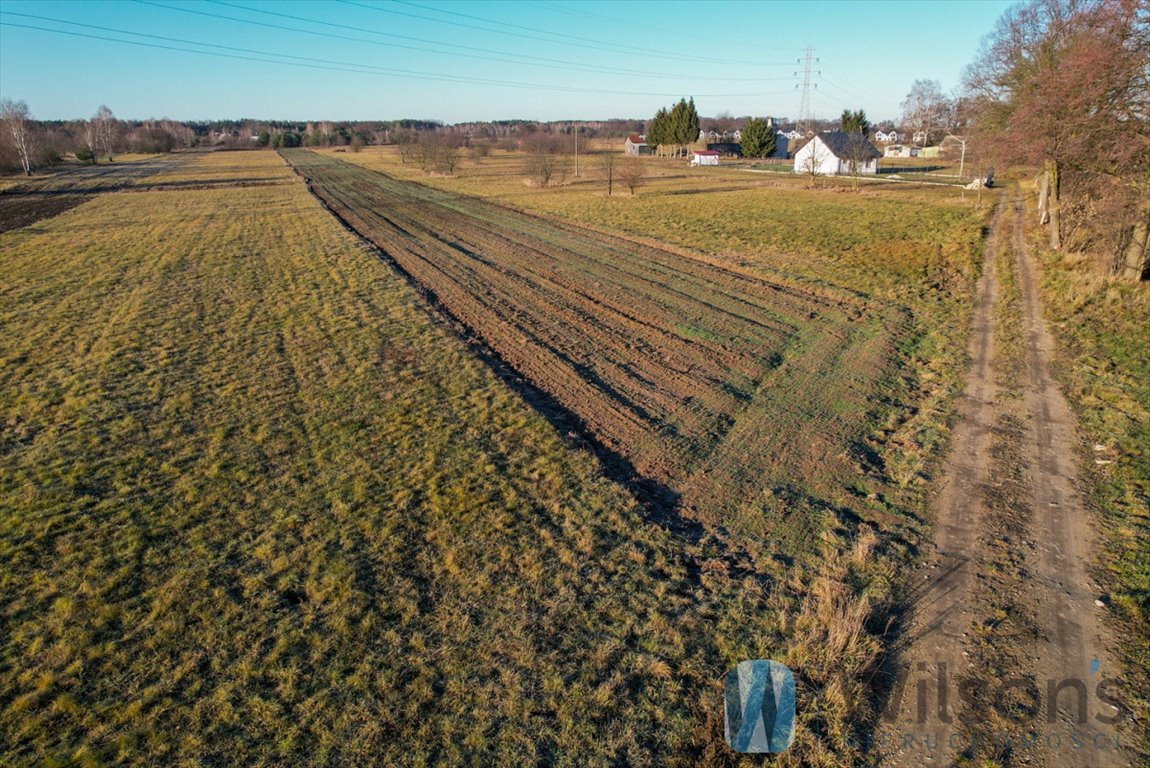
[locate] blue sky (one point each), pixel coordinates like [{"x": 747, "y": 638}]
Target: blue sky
[{"x": 476, "y": 60}]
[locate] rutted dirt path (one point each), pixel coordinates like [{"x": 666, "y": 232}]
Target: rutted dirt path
[{"x": 1006, "y": 618}]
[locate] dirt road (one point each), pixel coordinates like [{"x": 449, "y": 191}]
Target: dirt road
[{"x": 1006, "y": 656}]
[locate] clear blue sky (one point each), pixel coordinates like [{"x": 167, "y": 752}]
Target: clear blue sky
[{"x": 477, "y": 60}]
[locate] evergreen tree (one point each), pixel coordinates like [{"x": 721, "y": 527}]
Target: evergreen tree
[
  {"x": 758, "y": 138},
  {"x": 658, "y": 130},
  {"x": 679, "y": 127},
  {"x": 854, "y": 122}
]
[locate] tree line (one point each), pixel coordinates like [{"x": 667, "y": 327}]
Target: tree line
[
  {"x": 27, "y": 144},
  {"x": 1064, "y": 85}
]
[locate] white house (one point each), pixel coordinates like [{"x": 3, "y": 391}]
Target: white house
[
  {"x": 704, "y": 157},
  {"x": 885, "y": 136},
  {"x": 636, "y": 145},
  {"x": 834, "y": 153},
  {"x": 919, "y": 137}
]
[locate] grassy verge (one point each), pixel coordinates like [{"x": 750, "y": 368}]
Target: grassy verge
[{"x": 1101, "y": 325}]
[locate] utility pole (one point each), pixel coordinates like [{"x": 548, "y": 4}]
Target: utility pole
[
  {"x": 576, "y": 151},
  {"x": 962, "y": 157},
  {"x": 805, "y": 86}
]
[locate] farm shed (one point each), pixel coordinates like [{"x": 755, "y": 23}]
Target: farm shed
[
  {"x": 704, "y": 157},
  {"x": 832, "y": 153},
  {"x": 900, "y": 150},
  {"x": 636, "y": 145}
]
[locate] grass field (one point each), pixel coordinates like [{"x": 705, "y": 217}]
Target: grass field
[
  {"x": 259, "y": 506},
  {"x": 847, "y": 356}
]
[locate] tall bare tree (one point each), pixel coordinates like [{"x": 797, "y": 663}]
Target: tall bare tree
[
  {"x": 607, "y": 164},
  {"x": 106, "y": 128},
  {"x": 926, "y": 109},
  {"x": 91, "y": 143},
  {"x": 17, "y": 120}
]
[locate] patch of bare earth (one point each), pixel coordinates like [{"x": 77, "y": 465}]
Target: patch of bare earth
[{"x": 43, "y": 197}]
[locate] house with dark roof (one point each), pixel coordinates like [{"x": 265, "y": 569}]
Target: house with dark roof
[
  {"x": 636, "y": 145},
  {"x": 837, "y": 153}
]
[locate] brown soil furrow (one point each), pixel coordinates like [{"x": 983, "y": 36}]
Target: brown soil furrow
[{"x": 702, "y": 378}]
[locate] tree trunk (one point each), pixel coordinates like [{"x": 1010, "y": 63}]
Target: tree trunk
[
  {"x": 1043, "y": 199},
  {"x": 1137, "y": 257},
  {"x": 1053, "y": 173}
]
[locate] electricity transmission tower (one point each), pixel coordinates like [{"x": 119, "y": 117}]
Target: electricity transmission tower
[{"x": 805, "y": 86}]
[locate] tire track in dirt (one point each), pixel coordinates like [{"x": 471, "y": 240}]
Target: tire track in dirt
[
  {"x": 1005, "y": 648},
  {"x": 1074, "y": 645}
]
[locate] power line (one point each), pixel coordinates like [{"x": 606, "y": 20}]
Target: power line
[
  {"x": 853, "y": 90},
  {"x": 519, "y": 59},
  {"x": 631, "y": 24},
  {"x": 248, "y": 54},
  {"x": 588, "y": 43}
]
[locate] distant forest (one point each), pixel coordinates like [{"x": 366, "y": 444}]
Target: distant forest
[{"x": 43, "y": 143}]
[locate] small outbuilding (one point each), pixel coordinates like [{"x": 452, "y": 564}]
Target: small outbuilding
[
  {"x": 900, "y": 150},
  {"x": 704, "y": 157},
  {"x": 636, "y": 145}
]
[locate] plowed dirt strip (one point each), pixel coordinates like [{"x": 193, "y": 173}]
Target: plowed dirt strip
[{"x": 704, "y": 378}]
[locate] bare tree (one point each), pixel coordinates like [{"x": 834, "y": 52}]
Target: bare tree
[
  {"x": 633, "y": 174},
  {"x": 106, "y": 128},
  {"x": 18, "y": 121},
  {"x": 439, "y": 153},
  {"x": 1066, "y": 85},
  {"x": 446, "y": 155},
  {"x": 91, "y": 143},
  {"x": 607, "y": 164},
  {"x": 408, "y": 144},
  {"x": 926, "y": 110},
  {"x": 812, "y": 159},
  {"x": 858, "y": 151},
  {"x": 544, "y": 158}
]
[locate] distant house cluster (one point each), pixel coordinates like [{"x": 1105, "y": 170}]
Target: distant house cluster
[{"x": 828, "y": 153}]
